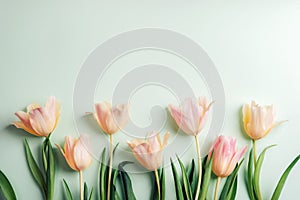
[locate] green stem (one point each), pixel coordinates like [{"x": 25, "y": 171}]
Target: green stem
[
  {"x": 254, "y": 151},
  {"x": 158, "y": 185},
  {"x": 217, "y": 188},
  {"x": 110, "y": 165},
  {"x": 80, "y": 184},
  {"x": 199, "y": 167}
]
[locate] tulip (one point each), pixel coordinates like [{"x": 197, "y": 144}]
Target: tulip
[
  {"x": 226, "y": 156},
  {"x": 149, "y": 152},
  {"x": 77, "y": 155},
  {"x": 111, "y": 120},
  {"x": 258, "y": 121},
  {"x": 39, "y": 121},
  {"x": 191, "y": 117}
]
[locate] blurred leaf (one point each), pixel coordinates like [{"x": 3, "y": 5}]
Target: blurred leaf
[
  {"x": 206, "y": 178},
  {"x": 91, "y": 194},
  {"x": 6, "y": 187},
  {"x": 177, "y": 182},
  {"x": 186, "y": 183},
  {"x": 85, "y": 191},
  {"x": 257, "y": 172},
  {"x": 67, "y": 191},
  {"x": 283, "y": 178},
  {"x": 163, "y": 184},
  {"x": 126, "y": 182},
  {"x": 250, "y": 176},
  {"x": 35, "y": 170}
]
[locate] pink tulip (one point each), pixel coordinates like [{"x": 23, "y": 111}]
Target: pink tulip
[
  {"x": 258, "y": 120},
  {"x": 111, "y": 119},
  {"x": 149, "y": 152},
  {"x": 191, "y": 116},
  {"x": 39, "y": 121},
  {"x": 76, "y": 152},
  {"x": 226, "y": 155}
]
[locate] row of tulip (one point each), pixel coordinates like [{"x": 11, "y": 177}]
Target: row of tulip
[{"x": 190, "y": 116}]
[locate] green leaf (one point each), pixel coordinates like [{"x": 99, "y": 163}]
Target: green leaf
[
  {"x": 67, "y": 191},
  {"x": 206, "y": 178},
  {"x": 50, "y": 172},
  {"x": 85, "y": 191},
  {"x": 113, "y": 183},
  {"x": 283, "y": 178},
  {"x": 126, "y": 182},
  {"x": 257, "y": 172},
  {"x": 177, "y": 182},
  {"x": 6, "y": 188},
  {"x": 232, "y": 192},
  {"x": 250, "y": 176},
  {"x": 91, "y": 194},
  {"x": 186, "y": 183},
  {"x": 44, "y": 154},
  {"x": 163, "y": 184},
  {"x": 102, "y": 178},
  {"x": 229, "y": 184},
  {"x": 192, "y": 176},
  {"x": 35, "y": 170}
]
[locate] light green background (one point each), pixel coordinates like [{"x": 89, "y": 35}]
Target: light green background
[{"x": 255, "y": 47}]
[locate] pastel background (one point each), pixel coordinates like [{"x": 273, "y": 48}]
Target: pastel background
[{"x": 255, "y": 47}]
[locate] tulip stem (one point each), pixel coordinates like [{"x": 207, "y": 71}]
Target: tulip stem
[
  {"x": 157, "y": 182},
  {"x": 80, "y": 183},
  {"x": 254, "y": 149},
  {"x": 110, "y": 165},
  {"x": 217, "y": 188},
  {"x": 199, "y": 167}
]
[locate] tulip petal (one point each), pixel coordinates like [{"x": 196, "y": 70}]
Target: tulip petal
[
  {"x": 103, "y": 111},
  {"x": 24, "y": 123},
  {"x": 69, "y": 146},
  {"x": 32, "y": 107},
  {"x": 81, "y": 153},
  {"x": 40, "y": 122},
  {"x": 121, "y": 115}
]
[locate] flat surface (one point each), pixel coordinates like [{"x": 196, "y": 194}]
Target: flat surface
[{"x": 254, "y": 46}]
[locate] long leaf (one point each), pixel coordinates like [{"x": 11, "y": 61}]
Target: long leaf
[
  {"x": 192, "y": 176},
  {"x": 257, "y": 172},
  {"x": 163, "y": 184},
  {"x": 206, "y": 179},
  {"x": 67, "y": 191},
  {"x": 126, "y": 182},
  {"x": 283, "y": 178},
  {"x": 6, "y": 187},
  {"x": 177, "y": 182},
  {"x": 102, "y": 178},
  {"x": 186, "y": 184},
  {"x": 35, "y": 170},
  {"x": 113, "y": 183},
  {"x": 50, "y": 172},
  {"x": 91, "y": 194},
  {"x": 250, "y": 176},
  {"x": 232, "y": 192},
  {"x": 85, "y": 191},
  {"x": 44, "y": 154}
]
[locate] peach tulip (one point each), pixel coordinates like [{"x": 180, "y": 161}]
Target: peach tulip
[
  {"x": 111, "y": 119},
  {"x": 76, "y": 152},
  {"x": 192, "y": 115},
  {"x": 226, "y": 155},
  {"x": 39, "y": 121},
  {"x": 149, "y": 152},
  {"x": 258, "y": 120}
]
